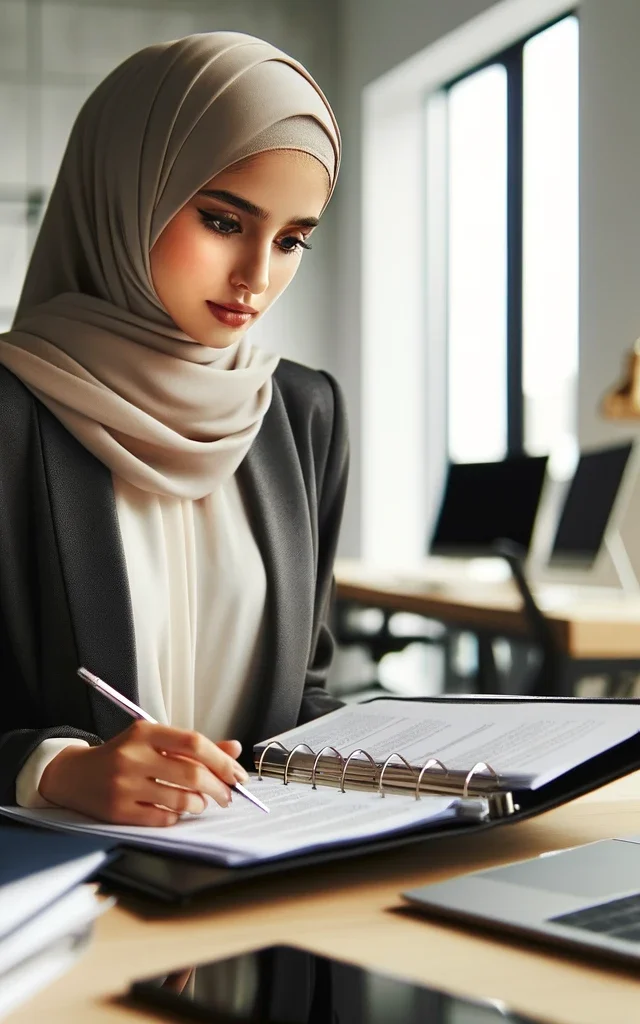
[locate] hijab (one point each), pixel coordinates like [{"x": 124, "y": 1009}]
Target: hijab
[{"x": 91, "y": 339}]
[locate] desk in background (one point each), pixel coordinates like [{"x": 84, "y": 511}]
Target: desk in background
[
  {"x": 592, "y": 635},
  {"x": 343, "y": 910}
]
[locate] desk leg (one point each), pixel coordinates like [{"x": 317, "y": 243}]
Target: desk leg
[
  {"x": 556, "y": 676},
  {"x": 488, "y": 678}
]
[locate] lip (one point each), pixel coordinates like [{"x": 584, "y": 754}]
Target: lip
[{"x": 232, "y": 315}]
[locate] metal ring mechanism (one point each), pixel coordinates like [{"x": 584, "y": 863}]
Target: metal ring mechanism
[
  {"x": 298, "y": 746},
  {"x": 315, "y": 763},
  {"x": 433, "y": 761},
  {"x": 274, "y": 743},
  {"x": 354, "y": 753},
  {"x": 384, "y": 768},
  {"x": 480, "y": 766}
]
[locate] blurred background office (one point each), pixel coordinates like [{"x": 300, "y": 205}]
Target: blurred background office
[{"x": 474, "y": 284}]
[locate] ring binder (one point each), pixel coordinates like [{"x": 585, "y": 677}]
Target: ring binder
[
  {"x": 425, "y": 768},
  {"x": 291, "y": 753},
  {"x": 274, "y": 743},
  {"x": 360, "y": 770},
  {"x": 345, "y": 766},
  {"x": 315, "y": 763},
  {"x": 479, "y": 766},
  {"x": 384, "y": 768}
]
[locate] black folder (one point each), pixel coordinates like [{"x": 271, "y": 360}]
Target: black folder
[
  {"x": 177, "y": 881},
  {"x": 25, "y": 852}
]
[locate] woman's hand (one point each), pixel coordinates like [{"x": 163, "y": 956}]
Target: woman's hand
[{"x": 118, "y": 781}]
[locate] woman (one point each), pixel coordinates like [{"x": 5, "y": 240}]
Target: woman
[{"x": 170, "y": 497}]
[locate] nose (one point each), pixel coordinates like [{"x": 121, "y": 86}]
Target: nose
[{"x": 250, "y": 273}]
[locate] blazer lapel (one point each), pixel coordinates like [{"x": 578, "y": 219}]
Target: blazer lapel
[
  {"x": 93, "y": 568},
  {"x": 94, "y": 571},
  {"x": 273, "y": 485}
]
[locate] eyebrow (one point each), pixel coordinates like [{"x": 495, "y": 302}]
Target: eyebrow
[{"x": 256, "y": 211}]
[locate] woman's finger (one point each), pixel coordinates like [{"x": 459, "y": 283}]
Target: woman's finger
[
  {"x": 189, "y": 774},
  {"x": 139, "y": 814},
  {"x": 231, "y": 747},
  {"x": 182, "y": 801},
  {"x": 193, "y": 745},
  {"x": 240, "y": 773}
]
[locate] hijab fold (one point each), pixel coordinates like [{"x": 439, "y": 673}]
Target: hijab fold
[{"x": 90, "y": 338}]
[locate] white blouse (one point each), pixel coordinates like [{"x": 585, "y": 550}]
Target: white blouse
[{"x": 198, "y": 589}]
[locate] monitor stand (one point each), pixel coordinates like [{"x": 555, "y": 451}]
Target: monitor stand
[{"x": 621, "y": 562}]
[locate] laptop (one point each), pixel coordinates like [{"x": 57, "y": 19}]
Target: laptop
[
  {"x": 587, "y": 534},
  {"x": 587, "y": 897},
  {"x": 483, "y": 502}
]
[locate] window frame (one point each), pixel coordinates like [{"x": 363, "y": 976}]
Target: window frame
[{"x": 511, "y": 58}]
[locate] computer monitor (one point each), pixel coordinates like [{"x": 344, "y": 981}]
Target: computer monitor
[
  {"x": 484, "y": 502},
  {"x": 589, "y": 505}
]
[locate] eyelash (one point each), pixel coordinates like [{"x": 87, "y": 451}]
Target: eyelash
[{"x": 211, "y": 221}]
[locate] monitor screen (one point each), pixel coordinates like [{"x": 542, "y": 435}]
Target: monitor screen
[
  {"x": 484, "y": 502},
  {"x": 588, "y": 505}
]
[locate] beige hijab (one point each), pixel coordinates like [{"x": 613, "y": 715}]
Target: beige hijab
[{"x": 91, "y": 339}]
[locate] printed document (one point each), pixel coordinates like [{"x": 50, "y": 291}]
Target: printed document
[
  {"x": 301, "y": 819},
  {"x": 526, "y": 743}
]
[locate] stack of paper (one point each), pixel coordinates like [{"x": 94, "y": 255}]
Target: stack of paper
[
  {"x": 301, "y": 820},
  {"x": 45, "y": 912}
]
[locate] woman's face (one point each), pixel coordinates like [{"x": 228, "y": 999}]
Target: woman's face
[{"x": 232, "y": 250}]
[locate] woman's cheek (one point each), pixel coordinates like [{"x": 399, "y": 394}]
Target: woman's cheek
[
  {"x": 207, "y": 258},
  {"x": 189, "y": 254},
  {"x": 182, "y": 246},
  {"x": 283, "y": 272}
]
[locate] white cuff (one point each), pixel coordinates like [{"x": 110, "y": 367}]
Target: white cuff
[{"x": 29, "y": 776}]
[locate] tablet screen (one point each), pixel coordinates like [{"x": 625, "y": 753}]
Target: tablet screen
[{"x": 286, "y": 985}]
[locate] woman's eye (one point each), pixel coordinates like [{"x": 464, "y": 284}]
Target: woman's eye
[
  {"x": 291, "y": 244},
  {"x": 218, "y": 223}
]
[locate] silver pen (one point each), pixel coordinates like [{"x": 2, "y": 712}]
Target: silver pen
[{"x": 137, "y": 712}]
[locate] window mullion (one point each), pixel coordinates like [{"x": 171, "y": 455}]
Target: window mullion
[{"x": 515, "y": 401}]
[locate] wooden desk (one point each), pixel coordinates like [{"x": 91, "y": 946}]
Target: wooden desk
[
  {"x": 583, "y": 636},
  {"x": 347, "y": 910},
  {"x": 585, "y": 628}
]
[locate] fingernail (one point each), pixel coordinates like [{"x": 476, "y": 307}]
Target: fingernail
[{"x": 241, "y": 775}]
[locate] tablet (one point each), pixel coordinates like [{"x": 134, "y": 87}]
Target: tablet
[{"x": 288, "y": 985}]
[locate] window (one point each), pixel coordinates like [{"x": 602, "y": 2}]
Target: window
[
  {"x": 477, "y": 294},
  {"x": 512, "y": 293}
]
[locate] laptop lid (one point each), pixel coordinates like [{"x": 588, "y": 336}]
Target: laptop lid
[
  {"x": 483, "y": 502},
  {"x": 583, "y": 897},
  {"x": 589, "y": 505}
]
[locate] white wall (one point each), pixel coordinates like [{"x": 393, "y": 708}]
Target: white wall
[
  {"x": 609, "y": 221},
  {"x": 609, "y": 204},
  {"x": 377, "y": 35},
  {"x": 53, "y": 53}
]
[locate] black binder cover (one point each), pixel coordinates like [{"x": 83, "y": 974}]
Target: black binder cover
[
  {"x": 25, "y": 851},
  {"x": 178, "y": 881}
]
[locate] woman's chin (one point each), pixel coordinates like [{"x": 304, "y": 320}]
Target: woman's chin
[{"x": 215, "y": 337}]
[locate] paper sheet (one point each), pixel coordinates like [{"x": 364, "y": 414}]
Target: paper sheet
[
  {"x": 527, "y": 743},
  {"x": 301, "y": 819},
  {"x": 28, "y": 896}
]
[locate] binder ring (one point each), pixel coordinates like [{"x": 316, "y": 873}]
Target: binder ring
[
  {"x": 480, "y": 766},
  {"x": 425, "y": 768},
  {"x": 346, "y": 765},
  {"x": 315, "y": 763},
  {"x": 390, "y": 758},
  {"x": 274, "y": 743},
  {"x": 291, "y": 753}
]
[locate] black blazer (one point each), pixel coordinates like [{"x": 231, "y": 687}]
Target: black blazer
[{"x": 64, "y": 594}]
